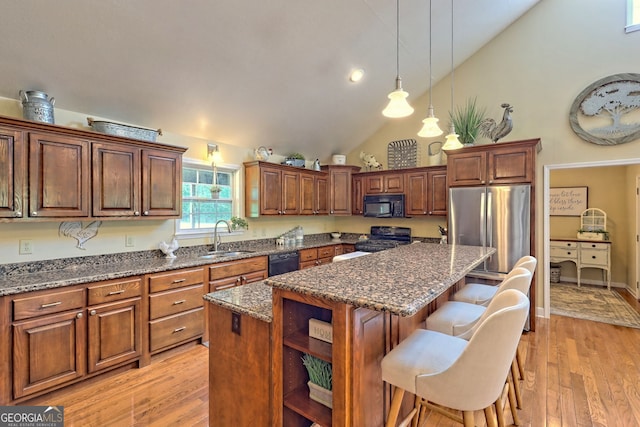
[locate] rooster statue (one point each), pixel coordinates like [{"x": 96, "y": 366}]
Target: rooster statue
[
  {"x": 489, "y": 128},
  {"x": 75, "y": 230},
  {"x": 168, "y": 248}
]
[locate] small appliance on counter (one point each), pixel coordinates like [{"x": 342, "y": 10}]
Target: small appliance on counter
[{"x": 382, "y": 238}]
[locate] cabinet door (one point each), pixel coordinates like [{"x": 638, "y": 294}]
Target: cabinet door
[
  {"x": 116, "y": 180},
  {"x": 357, "y": 204},
  {"x": 47, "y": 352},
  {"x": 374, "y": 184},
  {"x": 307, "y": 194},
  {"x": 340, "y": 191},
  {"x": 270, "y": 191},
  {"x": 467, "y": 169},
  {"x": 417, "y": 193},
  {"x": 12, "y": 171},
  {"x": 114, "y": 334},
  {"x": 290, "y": 193},
  {"x": 437, "y": 202},
  {"x": 321, "y": 195},
  {"x": 161, "y": 178},
  {"x": 510, "y": 165},
  {"x": 58, "y": 176},
  {"x": 256, "y": 276}
]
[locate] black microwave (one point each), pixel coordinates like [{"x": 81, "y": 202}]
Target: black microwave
[{"x": 384, "y": 206}]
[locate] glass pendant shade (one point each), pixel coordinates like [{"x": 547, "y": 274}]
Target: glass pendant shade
[
  {"x": 452, "y": 142},
  {"x": 430, "y": 126},
  {"x": 398, "y": 105}
]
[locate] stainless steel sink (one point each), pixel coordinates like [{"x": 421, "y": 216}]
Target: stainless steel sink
[{"x": 217, "y": 254}]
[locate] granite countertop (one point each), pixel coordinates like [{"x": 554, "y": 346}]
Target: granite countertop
[
  {"x": 35, "y": 276},
  {"x": 402, "y": 280},
  {"x": 253, "y": 299}
]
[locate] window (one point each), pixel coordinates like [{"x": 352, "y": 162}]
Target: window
[
  {"x": 633, "y": 16},
  {"x": 200, "y": 207}
]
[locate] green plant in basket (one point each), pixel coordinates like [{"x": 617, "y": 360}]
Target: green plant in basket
[
  {"x": 237, "y": 223},
  {"x": 319, "y": 371}
]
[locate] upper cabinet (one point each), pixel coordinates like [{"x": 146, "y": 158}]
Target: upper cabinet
[
  {"x": 54, "y": 173},
  {"x": 383, "y": 182},
  {"x": 314, "y": 193},
  {"x": 493, "y": 164},
  {"x": 12, "y": 168},
  {"x": 340, "y": 191},
  {"x": 271, "y": 189},
  {"x": 426, "y": 191}
]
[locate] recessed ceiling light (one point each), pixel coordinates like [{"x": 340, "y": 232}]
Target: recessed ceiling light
[{"x": 356, "y": 75}]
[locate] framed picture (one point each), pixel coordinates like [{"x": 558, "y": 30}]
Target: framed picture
[{"x": 567, "y": 201}]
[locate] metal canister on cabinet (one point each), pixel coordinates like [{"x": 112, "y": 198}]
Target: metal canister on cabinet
[{"x": 37, "y": 106}]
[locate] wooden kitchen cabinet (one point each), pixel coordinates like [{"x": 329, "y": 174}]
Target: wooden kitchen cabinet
[
  {"x": 52, "y": 173},
  {"x": 314, "y": 193},
  {"x": 426, "y": 191},
  {"x": 12, "y": 172},
  {"x": 383, "y": 182},
  {"x": 59, "y": 177},
  {"x": 340, "y": 192},
  {"x": 225, "y": 275},
  {"x": 176, "y": 314},
  {"x": 357, "y": 202},
  {"x": 271, "y": 189},
  {"x": 114, "y": 320},
  {"x": 493, "y": 164},
  {"x": 313, "y": 257}
]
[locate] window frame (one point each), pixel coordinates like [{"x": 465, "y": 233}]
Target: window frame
[
  {"x": 633, "y": 7},
  {"x": 233, "y": 169}
]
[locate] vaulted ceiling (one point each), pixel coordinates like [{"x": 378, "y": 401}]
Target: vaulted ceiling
[{"x": 241, "y": 72}]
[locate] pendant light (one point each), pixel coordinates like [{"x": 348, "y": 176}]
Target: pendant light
[
  {"x": 452, "y": 142},
  {"x": 430, "y": 126},
  {"x": 398, "y": 105}
]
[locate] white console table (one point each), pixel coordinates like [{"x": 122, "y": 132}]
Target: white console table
[{"x": 584, "y": 254}]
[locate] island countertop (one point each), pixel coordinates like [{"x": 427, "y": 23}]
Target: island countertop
[{"x": 402, "y": 280}]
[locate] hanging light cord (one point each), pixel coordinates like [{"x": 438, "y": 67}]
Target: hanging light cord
[
  {"x": 451, "y": 55},
  {"x": 430, "y": 69},
  {"x": 397, "y": 39}
]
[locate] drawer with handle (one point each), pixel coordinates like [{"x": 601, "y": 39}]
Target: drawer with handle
[
  {"x": 114, "y": 291},
  {"x": 594, "y": 257},
  {"x": 171, "y": 330},
  {"x": 177, "y": 279},
  {"x": 566, "y": 253},
  {"x": 175, "y": 301},
  {"x": 48, "y": 303}
]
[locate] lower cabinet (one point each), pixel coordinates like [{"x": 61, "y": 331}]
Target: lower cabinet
[
  {"x": 236, "y": 273},
  {"x": 313, "y": 257}
]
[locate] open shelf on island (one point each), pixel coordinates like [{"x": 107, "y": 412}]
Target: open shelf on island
[
  {"x": 300, "y": 340},
  {"x": 298, "y": 401}
]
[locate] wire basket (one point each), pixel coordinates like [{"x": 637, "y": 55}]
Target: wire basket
[{"x": 402, "y": 154}]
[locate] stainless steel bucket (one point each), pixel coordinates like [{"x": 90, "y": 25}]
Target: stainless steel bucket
[
  {"x": 37, "y": 106},
  {"x": 434, "y": 152}
]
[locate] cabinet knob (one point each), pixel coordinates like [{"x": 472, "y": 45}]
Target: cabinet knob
[
  {"x": 430, "y": 213},
  {"x": 34, "y": 213},
  {"x": 17, "y": 213},
  {"x": 568, "y": 253},
  {"x": 136, "y": 213},
  {"x": 284, "y": 212},
  {"x": 593, "y": 256},
  {"x": 331, "y": 212},
  {"x": 145, "y": 213},
  {"x": 482, "y": 182},
  {"x": 490, "y": 181},
  {"x": 79, "y": 315},
  {"x": 244, "y": 279},
  {"x": 593, "y": 246},
  {"x": 92, "y": 312}
]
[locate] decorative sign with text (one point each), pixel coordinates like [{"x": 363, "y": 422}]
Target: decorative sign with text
[{"x": 567, "y": 201}]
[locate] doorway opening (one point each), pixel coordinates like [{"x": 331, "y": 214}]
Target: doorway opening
[{"x": 547, "y": 169}]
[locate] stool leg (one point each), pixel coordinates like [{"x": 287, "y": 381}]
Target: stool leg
[
  {"x": 398, "y": 394},
  {"x": 500, "y": 412},
  {"x": 468, "y": 419},
  {"x": 516, "y": 384},
  {"x": 489, "y": 416},
  {"x": 520, "y": 363},
  {"x": 512, "y": 402}
]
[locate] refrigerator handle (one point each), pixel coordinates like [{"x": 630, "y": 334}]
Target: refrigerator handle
[
  {"x": 489, "y": 219},
  {"x": 483, "y": 219}
]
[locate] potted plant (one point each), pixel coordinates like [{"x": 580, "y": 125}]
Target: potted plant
[
  {"x": 295, "y": 159},
  {"x": 467, "y": 120},
  {"x": 320, "y": 383},
  {"x": 238, "y": 223},
  {"x": 215, "y": 191}
]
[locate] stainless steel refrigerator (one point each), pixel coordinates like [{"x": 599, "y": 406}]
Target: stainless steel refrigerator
[{"x": 494, "y": 216}]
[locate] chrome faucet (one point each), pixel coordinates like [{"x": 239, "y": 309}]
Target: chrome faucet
[{"x": 216, "y": 238}]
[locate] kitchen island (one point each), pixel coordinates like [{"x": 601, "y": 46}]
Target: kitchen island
[{"x": 372, "y": 303}]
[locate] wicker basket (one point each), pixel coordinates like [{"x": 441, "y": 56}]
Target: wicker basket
[{"x": 554, "y": 273}]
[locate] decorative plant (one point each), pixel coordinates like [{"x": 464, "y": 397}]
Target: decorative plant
[
  {"x": 467, "y": 120},
  {"x": 295, "y": 156},
  {"x": 237, "y": 222},
  {"x": 215, "y": 189},
  {"x": 598, "y": 231},
  {"x": 319, "y": 371}
]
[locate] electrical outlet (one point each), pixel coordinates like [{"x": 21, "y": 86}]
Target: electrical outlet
[
  {"x": 235, "y": 323},
  {"x": 26, "y": 247},
  {"x": 129, "y": 241}
]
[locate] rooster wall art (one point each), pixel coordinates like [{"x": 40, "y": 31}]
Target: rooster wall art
[{"x": 81, "y": 234}]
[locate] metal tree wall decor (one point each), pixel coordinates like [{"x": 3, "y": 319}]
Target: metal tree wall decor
[{"x": 607, "y": 112}]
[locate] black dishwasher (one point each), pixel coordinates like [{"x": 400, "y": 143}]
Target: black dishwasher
[{"x": 283, "y": 262}]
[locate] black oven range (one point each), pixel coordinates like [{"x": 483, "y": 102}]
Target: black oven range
[{"x": 382, "y": 238}]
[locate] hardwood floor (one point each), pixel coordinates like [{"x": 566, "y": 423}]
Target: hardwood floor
[{"x": 577, "y": 373}]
